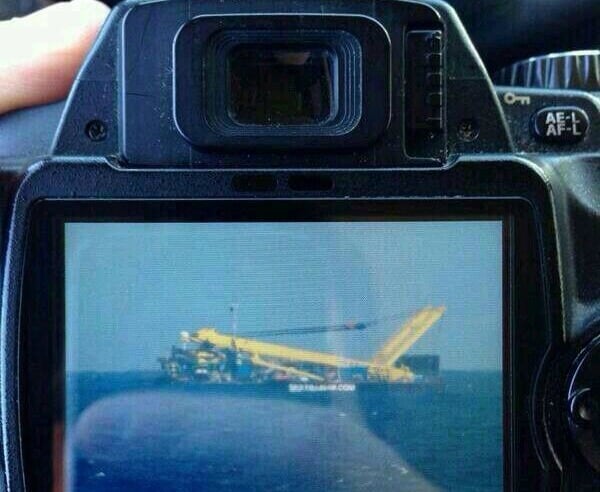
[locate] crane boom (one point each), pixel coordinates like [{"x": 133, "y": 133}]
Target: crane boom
[
  {"x": 258, "y": 361},
  {"x": 279, "y": 352},
  {"x": 401, "y": 341},
  {"x": 275, "y": 350}
]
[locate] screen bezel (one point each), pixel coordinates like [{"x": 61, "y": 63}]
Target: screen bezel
[{"x": 42, "y": 329}]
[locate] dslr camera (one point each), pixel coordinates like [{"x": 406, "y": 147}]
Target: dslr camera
[{"x": 302, "y": 246}]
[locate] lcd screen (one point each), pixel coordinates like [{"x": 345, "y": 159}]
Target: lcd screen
[{"x": 284, "y": 356}]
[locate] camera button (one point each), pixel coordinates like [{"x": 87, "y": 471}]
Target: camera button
[
  {"x": 434, "y": 60},
  {"x": 434, "y": 41},
  {"x": 561, "y": 125},
  {"x": 434, "y": 80},
  {"x": 435, "y": 123},
  {"x": 585, "y": 409},
  {"x": 434, "y": 99}
]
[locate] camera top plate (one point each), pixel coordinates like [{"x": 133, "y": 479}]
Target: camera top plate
[{"x": 128, "y": 86}]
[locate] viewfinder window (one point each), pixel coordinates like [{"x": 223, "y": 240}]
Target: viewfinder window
[{"x": 282, "y": 84}]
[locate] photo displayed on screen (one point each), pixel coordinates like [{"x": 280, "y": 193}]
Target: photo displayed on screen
[{"x": 284, "y": 356}]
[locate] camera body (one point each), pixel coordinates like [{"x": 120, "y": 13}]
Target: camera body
[{"x": 368, "y": 108}]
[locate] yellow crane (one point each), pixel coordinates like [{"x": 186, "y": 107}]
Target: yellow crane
[
  {"x": 283, "y": 358},
  {"x": 408, "y": 334}
]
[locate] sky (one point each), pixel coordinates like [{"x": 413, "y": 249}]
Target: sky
[{"x": 131, "y": 288}]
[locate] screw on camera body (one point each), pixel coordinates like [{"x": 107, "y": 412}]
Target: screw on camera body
[
  {"x": 96, "y": 130},
  {"x": 468, "y": 130}
]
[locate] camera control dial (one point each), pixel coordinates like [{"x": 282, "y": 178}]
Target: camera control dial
[
  {"x": 583, "y": 403},
  {"x": 575, "y": 70}
]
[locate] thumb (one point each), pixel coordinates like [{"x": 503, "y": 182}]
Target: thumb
[{"x": 41, "y": 53}]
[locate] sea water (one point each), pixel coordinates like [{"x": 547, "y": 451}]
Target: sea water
[{"x": 141, "y": 432}]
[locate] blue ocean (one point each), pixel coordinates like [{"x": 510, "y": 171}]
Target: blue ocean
[{"x": 141, "y": 432}]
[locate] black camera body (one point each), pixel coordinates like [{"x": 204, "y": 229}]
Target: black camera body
[{"x": 357, "y": 109}]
